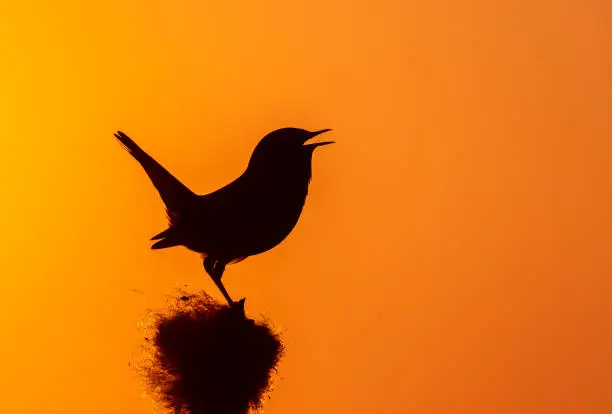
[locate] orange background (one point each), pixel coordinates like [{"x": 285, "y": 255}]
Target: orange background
[{"x": 453, "y": 255}]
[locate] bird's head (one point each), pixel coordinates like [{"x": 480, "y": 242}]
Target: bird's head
[{"x": 286, "y": 148}]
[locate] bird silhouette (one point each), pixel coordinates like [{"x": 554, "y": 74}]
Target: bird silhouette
[{"x": 251, "y": 215}]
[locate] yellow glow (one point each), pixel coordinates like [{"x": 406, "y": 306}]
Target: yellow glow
[{"x": 453, "y": 255}]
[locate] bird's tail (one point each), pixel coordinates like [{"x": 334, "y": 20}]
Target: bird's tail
[
  {"x": 164, "y": 243},
  {"x": 162, "y": 235},
  {"x": 129, "y": 144},
  {"x": 164, "y": 239},
  {"x": 174, "y": 193}
]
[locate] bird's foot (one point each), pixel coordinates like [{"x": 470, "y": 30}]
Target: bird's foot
[
  {"x": 237, "y": 309},
  {"x": 239, "y": 304}
]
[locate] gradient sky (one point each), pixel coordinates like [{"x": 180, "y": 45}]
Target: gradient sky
[{"x": 453, "y": 255}]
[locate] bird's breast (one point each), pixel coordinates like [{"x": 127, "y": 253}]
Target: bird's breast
[
  {"x": 246, "y": 218},
  {"x": 270, "y": 215}
]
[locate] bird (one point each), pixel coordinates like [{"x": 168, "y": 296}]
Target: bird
[{"x": 250, "y": 215}]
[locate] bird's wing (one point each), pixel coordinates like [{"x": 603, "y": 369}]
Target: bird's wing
[{"x": 174, "y": 193}]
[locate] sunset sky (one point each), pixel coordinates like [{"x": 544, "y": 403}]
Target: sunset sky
[{"x": 453, "y": 255}]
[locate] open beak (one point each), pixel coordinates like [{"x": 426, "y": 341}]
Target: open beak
[{"x": 318, "y": 144}]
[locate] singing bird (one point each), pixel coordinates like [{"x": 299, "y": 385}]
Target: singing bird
[{"x": 251, "y": 215}]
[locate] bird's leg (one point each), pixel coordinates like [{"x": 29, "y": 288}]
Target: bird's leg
[
  {"x": 215, "y": 269},
  {"x": 219, "y": 269}
]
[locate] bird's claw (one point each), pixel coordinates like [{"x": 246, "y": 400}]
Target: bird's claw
[
  {"x": 239, "y": 304},
  {"x": 237, "y": 309}
]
